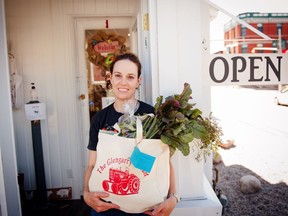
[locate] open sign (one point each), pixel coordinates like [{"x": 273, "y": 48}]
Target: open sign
[{"x": 247, "y": 69}]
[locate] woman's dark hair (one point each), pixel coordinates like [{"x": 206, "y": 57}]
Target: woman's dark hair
[{"x": 127, "y": 56}]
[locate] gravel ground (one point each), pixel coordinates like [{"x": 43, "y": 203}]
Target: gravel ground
[
  {"x": 259, "y": 129},
  {"x": 272, "y": 200}
]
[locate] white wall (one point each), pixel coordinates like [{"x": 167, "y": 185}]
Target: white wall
[
  {"x": 9, "y": 190},
  {"x": 180, "y": 41},
  {"x": 182, "y": 30},
  {"x": 182, "y": 26},
  {"x": 40, "y": 35}
]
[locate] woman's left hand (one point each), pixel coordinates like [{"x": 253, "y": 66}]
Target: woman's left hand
[{"x": 165, "y": 208}]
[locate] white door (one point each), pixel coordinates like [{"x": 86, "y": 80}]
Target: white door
[{"x": 83, "y": 25}]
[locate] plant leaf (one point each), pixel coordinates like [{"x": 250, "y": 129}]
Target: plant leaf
[
  {"x": 184, "y": 97},
  {"x": 199, "y": 131},
  {"x": 158, "y": 103},
  {"x": 176, "y": 143}
]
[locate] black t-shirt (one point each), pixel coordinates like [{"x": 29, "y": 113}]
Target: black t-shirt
[{"x": 108, "y": 117}]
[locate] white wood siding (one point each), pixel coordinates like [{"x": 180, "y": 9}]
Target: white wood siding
[
  {"x": 40, "y": 35},
  {"x": 9, "y": 190}
]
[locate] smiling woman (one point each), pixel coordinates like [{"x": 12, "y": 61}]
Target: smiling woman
[{"x": 125, "y": 79}]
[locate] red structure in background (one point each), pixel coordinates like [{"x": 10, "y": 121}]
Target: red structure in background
[{"x": 239, "y": 39}]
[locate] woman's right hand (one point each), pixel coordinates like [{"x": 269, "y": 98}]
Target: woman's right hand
[{"x": 93, "y": 199}]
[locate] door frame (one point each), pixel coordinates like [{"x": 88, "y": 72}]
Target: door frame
[
  {"x": 10, "y": 203},
  {"x": 81, "y": 24}
]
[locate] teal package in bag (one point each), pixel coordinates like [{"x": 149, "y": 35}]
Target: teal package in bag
[{"x": 142, "y": 160}]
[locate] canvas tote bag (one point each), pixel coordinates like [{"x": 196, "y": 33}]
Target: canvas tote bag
[{"x": 133, "y": 189}]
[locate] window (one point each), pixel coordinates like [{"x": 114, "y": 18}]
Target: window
[
  {"x": 279, "y": 28},
  {"x": 228, "y": 50},
  {"x": 275, "y": 45},
  {"x": 244, "y": 48},
  {"x": 260, "y": 27},
  {"x": 243, "y": 31},
  {"x": 283, "y": 44},
  {"x": 259, "y": 46}
]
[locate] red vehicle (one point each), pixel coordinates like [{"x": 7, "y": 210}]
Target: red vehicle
[{"x": 121, "y": 182}]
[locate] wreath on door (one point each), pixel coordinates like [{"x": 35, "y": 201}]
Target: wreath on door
[{"x": 102, "y": 48}]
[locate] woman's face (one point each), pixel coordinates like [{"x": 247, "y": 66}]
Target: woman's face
[{"x": 125, "y": 79}]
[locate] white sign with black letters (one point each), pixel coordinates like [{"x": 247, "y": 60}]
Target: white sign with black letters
[
  {"x": 246, "y": 69},
  {"x": 35, "y": 111}
]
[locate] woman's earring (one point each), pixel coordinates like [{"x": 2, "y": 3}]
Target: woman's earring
[
  {"x": 108, "y": 80},
  {"x": 108, "y": 84}
]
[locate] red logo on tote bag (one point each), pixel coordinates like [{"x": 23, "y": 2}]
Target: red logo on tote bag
[{"x": 121, "y": 182}]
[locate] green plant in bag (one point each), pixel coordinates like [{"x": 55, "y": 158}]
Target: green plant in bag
[{"x": 177, "y": 123}]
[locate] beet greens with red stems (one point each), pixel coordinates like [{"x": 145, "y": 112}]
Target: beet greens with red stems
[{"x": 177, "y": 123}]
